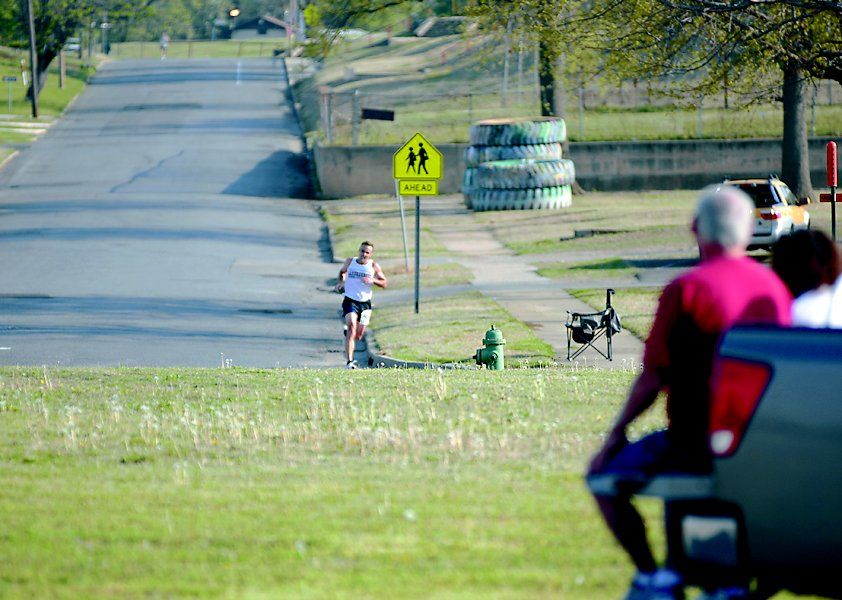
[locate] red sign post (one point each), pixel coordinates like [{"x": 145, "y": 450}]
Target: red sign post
[{"x": 832, "y": 182}]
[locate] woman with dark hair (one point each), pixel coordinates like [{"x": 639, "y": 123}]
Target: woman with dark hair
[{"x": 808, "y": 263}]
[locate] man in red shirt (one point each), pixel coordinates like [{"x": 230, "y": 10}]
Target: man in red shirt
[{"x": 693, "y": 312}]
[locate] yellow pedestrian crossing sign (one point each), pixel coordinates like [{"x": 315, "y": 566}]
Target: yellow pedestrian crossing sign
[{"x": 417, "y": 159}]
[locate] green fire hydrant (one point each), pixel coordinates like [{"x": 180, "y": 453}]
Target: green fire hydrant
[{"x": 492, "y": 355}]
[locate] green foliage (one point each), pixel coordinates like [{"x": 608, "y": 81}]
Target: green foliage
[
  {"x": 735, "y": 47},
  {"x": 55, "y": 21},
  {"x": 329, "y": 19},
  {"x": 313, "y": 16},
  {"x": 181, "y": 19}
]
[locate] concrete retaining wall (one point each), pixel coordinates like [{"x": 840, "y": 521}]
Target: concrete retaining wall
[
  {"x": 355, "y": 171},
  {"x": 358, "y": 170}
]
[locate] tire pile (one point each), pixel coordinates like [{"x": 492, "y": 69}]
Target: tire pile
[{"x": 516, "y": 164}]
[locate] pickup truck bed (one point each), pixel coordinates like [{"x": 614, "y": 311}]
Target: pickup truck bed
[{"x": 771, "y": 510}]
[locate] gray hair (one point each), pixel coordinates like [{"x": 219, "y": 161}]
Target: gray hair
[{"x": 724, "y": 216}]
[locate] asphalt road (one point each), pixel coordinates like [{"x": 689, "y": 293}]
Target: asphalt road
[{"x": 156, "y": 225}]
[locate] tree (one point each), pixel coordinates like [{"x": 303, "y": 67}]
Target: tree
[
  {"x": 555, "y": 27},
  {"x": 330, "y": 17},
  {"x": 55, "y": 22},
  {"x": 743, "y": 42},
  {"x": 697, "y": 45}
]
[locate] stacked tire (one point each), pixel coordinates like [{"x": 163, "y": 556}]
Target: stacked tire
[{"x": 516, "y": 164}]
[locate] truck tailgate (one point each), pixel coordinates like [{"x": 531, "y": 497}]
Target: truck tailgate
[{"x": 786, "y": 474}]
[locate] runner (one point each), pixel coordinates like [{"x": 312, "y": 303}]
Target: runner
[
  {"x": 356, "y": 277},
  {"x": 165, "y": 42}
]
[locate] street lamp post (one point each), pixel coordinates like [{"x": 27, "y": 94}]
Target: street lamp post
[
  {"x": 233, "y": 13},
  {"x": 105, "y": 26}
]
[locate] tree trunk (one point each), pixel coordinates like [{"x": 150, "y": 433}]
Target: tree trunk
[
  {"x": 560, "y": 96},
  {"x": 795, "y": 164},
  {"x": 547, "y": 78},
  {"x": 44, "y": 62}
]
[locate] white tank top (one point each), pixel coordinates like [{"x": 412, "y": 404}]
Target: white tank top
[{"x": 355, "y": 289}]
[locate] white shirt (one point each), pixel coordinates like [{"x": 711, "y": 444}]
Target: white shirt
[
  {"x": 354, "y": 286},
  {"x": 819, "y": 308}
]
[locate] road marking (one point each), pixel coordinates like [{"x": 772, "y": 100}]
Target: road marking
[{"x": 5, "y": 348}]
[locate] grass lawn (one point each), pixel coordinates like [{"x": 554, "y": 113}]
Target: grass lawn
[
  {"x": 678, "y": 124},
  {"x": 297, "y": 483},
  {"x": 377, "y": 219},
  {"x": 635, "y": 235},
  {"x": 451, "y": 123},
  {"x": 615, "y": 220},
  {"x": 433, "y": 275},
  {"x": 450, "y": 329},
  {"x": 618, "y": 269},
  {"x": 51, "y": 101}
]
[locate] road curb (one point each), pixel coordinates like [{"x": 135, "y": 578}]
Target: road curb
[
  {"x": 379, "y": 361},
  {"x": 312, "y": 179},
  {"x": 6, "y": 160}
]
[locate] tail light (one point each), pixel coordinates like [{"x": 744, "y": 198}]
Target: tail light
[
  {"x": 772, "y": 215},
  {"x": 736, "y": 388}
]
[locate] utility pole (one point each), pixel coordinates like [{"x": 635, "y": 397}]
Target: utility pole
[
  {"x": 293, "y": 17},
  {"x": 33, "y": 59},
  {"x": 104, "y": 36}
]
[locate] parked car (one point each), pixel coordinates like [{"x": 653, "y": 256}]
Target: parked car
[
  {"x": 769, "y": 515},
  {"x": 777, "y": 212}
]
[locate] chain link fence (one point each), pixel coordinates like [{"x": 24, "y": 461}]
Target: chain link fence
[
  {"x": 180, "y": 49},
  {"x": 592, "y": 113},
  {"x": 509, "y": 88}
]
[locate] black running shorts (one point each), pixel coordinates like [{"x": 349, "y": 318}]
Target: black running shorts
[{"x": 361, "y": 309}]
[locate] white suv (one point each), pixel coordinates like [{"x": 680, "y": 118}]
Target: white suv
[{"x": 777, "y": 211}]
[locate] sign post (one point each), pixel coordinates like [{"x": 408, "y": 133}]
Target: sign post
[
  {"x": 403, "y": 226},
  {"x": 831, "y": 183},
  {"x": 10, "y": 79},
  {"x": 417, "y": 166}
]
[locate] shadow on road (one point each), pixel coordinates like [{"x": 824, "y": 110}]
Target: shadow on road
[{"x": 282, "y": 175}]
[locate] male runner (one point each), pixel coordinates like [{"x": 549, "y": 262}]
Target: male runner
[{"x": 356, "y": 277}]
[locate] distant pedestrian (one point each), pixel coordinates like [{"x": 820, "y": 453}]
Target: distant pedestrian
[
  {"x": 356, "y": 277},
  {"x": 410, "y": 159},
  {"x": 165, "y": 42},
  {"x": 422, "y": 158}
]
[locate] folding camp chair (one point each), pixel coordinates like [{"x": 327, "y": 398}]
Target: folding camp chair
[{"x": 587, "y": 328}]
